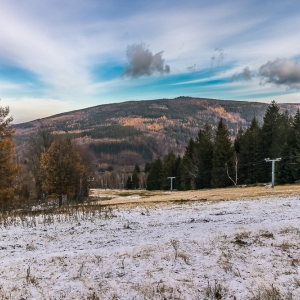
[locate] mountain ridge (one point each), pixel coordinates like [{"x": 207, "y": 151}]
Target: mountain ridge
[{"x": 145, "y": 129}]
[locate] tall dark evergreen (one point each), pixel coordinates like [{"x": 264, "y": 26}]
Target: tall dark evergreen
[
  {"x": 189, "y": 166},
  {"x": 284, "y": 168},
  {"x": 147, "y": 167},
  {"x": 295, "y": 158},
  {"x": 250, "y": 157},
  {"x": 238, "y": 141},
  {"x": 270, "y": 139},
  {"x": 204, "y": 154},
  {"x": 222, "y": 155},
  {"x": 177, "y": 181},
  {"x": 270, "y": 132},
  {"x": 296, "y": 122},
  {"x": 154, "y": 177},
  {"x": 133, "y": 181},
  {"x": 128, "y": 183}
]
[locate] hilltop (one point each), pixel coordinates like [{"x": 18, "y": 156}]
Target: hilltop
[{"x": 136, "y": 131}]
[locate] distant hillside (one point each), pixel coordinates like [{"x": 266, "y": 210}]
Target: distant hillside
[{"x": 136, "y": 131}]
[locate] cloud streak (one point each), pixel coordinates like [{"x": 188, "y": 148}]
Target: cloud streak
[
  {"x": 281, "y": 72},
  {"x": 142, "y": 62}
]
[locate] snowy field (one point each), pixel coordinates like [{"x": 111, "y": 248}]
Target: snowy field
[{"x": 195, "y": 250}]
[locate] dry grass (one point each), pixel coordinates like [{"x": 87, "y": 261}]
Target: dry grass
[
  {"x": 225, "y": 194},
  {"x": 285, "y": 245},
  {"x": 214, "y": 291},
  {"x": 270, "y": 293}
]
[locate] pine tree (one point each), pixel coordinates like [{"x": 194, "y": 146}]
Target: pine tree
[
  {"x": 271, "y": 131},
  {"x": 128, "y": 183},
  {"x": 296, "y": 122},
  {"x": 189, "y": 166},
  {"x": 147, "y": 167},
  {"x": 204, "y": 154},
  {"x": 62, "y": 169},
  {"x": 222, "y": 154},
  {"x": 295, "y": 146},
  {"x": 135, "y": 177},
  {"x": 154, "y": 177},
  {"x": 276, "y": 139},
  {"x": 249, "y": 153},
  {"x": 284, "y": 168},
  {"x": 178, "y": 175},
  {"x": 238, "y": 141},
  {"x": 8, "y": 169}
]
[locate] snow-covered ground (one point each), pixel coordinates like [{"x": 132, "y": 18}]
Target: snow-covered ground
[{"x": 195, "y": 250}]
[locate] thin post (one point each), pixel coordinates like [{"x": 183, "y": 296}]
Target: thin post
[
  {"x": 273, "y": 171},
  {"x": 273, "y": 167},
  {"x": 171, "y": 182}
]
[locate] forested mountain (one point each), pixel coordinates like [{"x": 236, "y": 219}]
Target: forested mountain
[{"x": 129, "y": 133}]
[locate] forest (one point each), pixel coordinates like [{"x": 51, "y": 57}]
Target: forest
[
  {"x": 214, "y": 160},
  {"x": 57, "y": 166}
]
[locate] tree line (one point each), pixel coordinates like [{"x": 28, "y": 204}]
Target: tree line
[
  {"x": 54, "y": 165},
  {"x": 214, "y": 160}
]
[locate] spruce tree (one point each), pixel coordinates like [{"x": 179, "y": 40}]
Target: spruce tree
[
  {"x": 135, "y": 177},
  {"x": 189, "y": 166},
  {"x": 295, "y": 145},
  {"x": 250, "y": 154},
  {"x": 296, "y": 122},
  {"x": 271, "y": 131},
  {"x": 222, "y": 154},
  {"x": 147, "y": 167},
  {"x": 154, "y": 177},
  {"x": 270, "y": 139},
  {"x": 178, "y": 175},
  {"x": 204, "y": 154},
  {"x": 128, "y": 183},
  {"x": 284, "y": 168}
]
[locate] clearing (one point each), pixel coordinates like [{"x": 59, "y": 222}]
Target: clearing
[{"x": 187, "y": 247}]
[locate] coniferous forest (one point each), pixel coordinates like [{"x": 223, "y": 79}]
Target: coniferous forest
[{"x": 214, "y": 160}]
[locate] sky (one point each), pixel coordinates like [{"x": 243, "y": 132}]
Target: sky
[{"x": 62, "y": 55}]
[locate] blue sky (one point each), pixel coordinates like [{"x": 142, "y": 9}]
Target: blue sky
[{"x": 58, "y": 56}]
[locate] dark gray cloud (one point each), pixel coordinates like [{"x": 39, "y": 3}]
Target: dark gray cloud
[
  {"x": 142, "y": 62},
  {"x": 245, "y": 75},
  {"x": 284, "y": 72}
]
